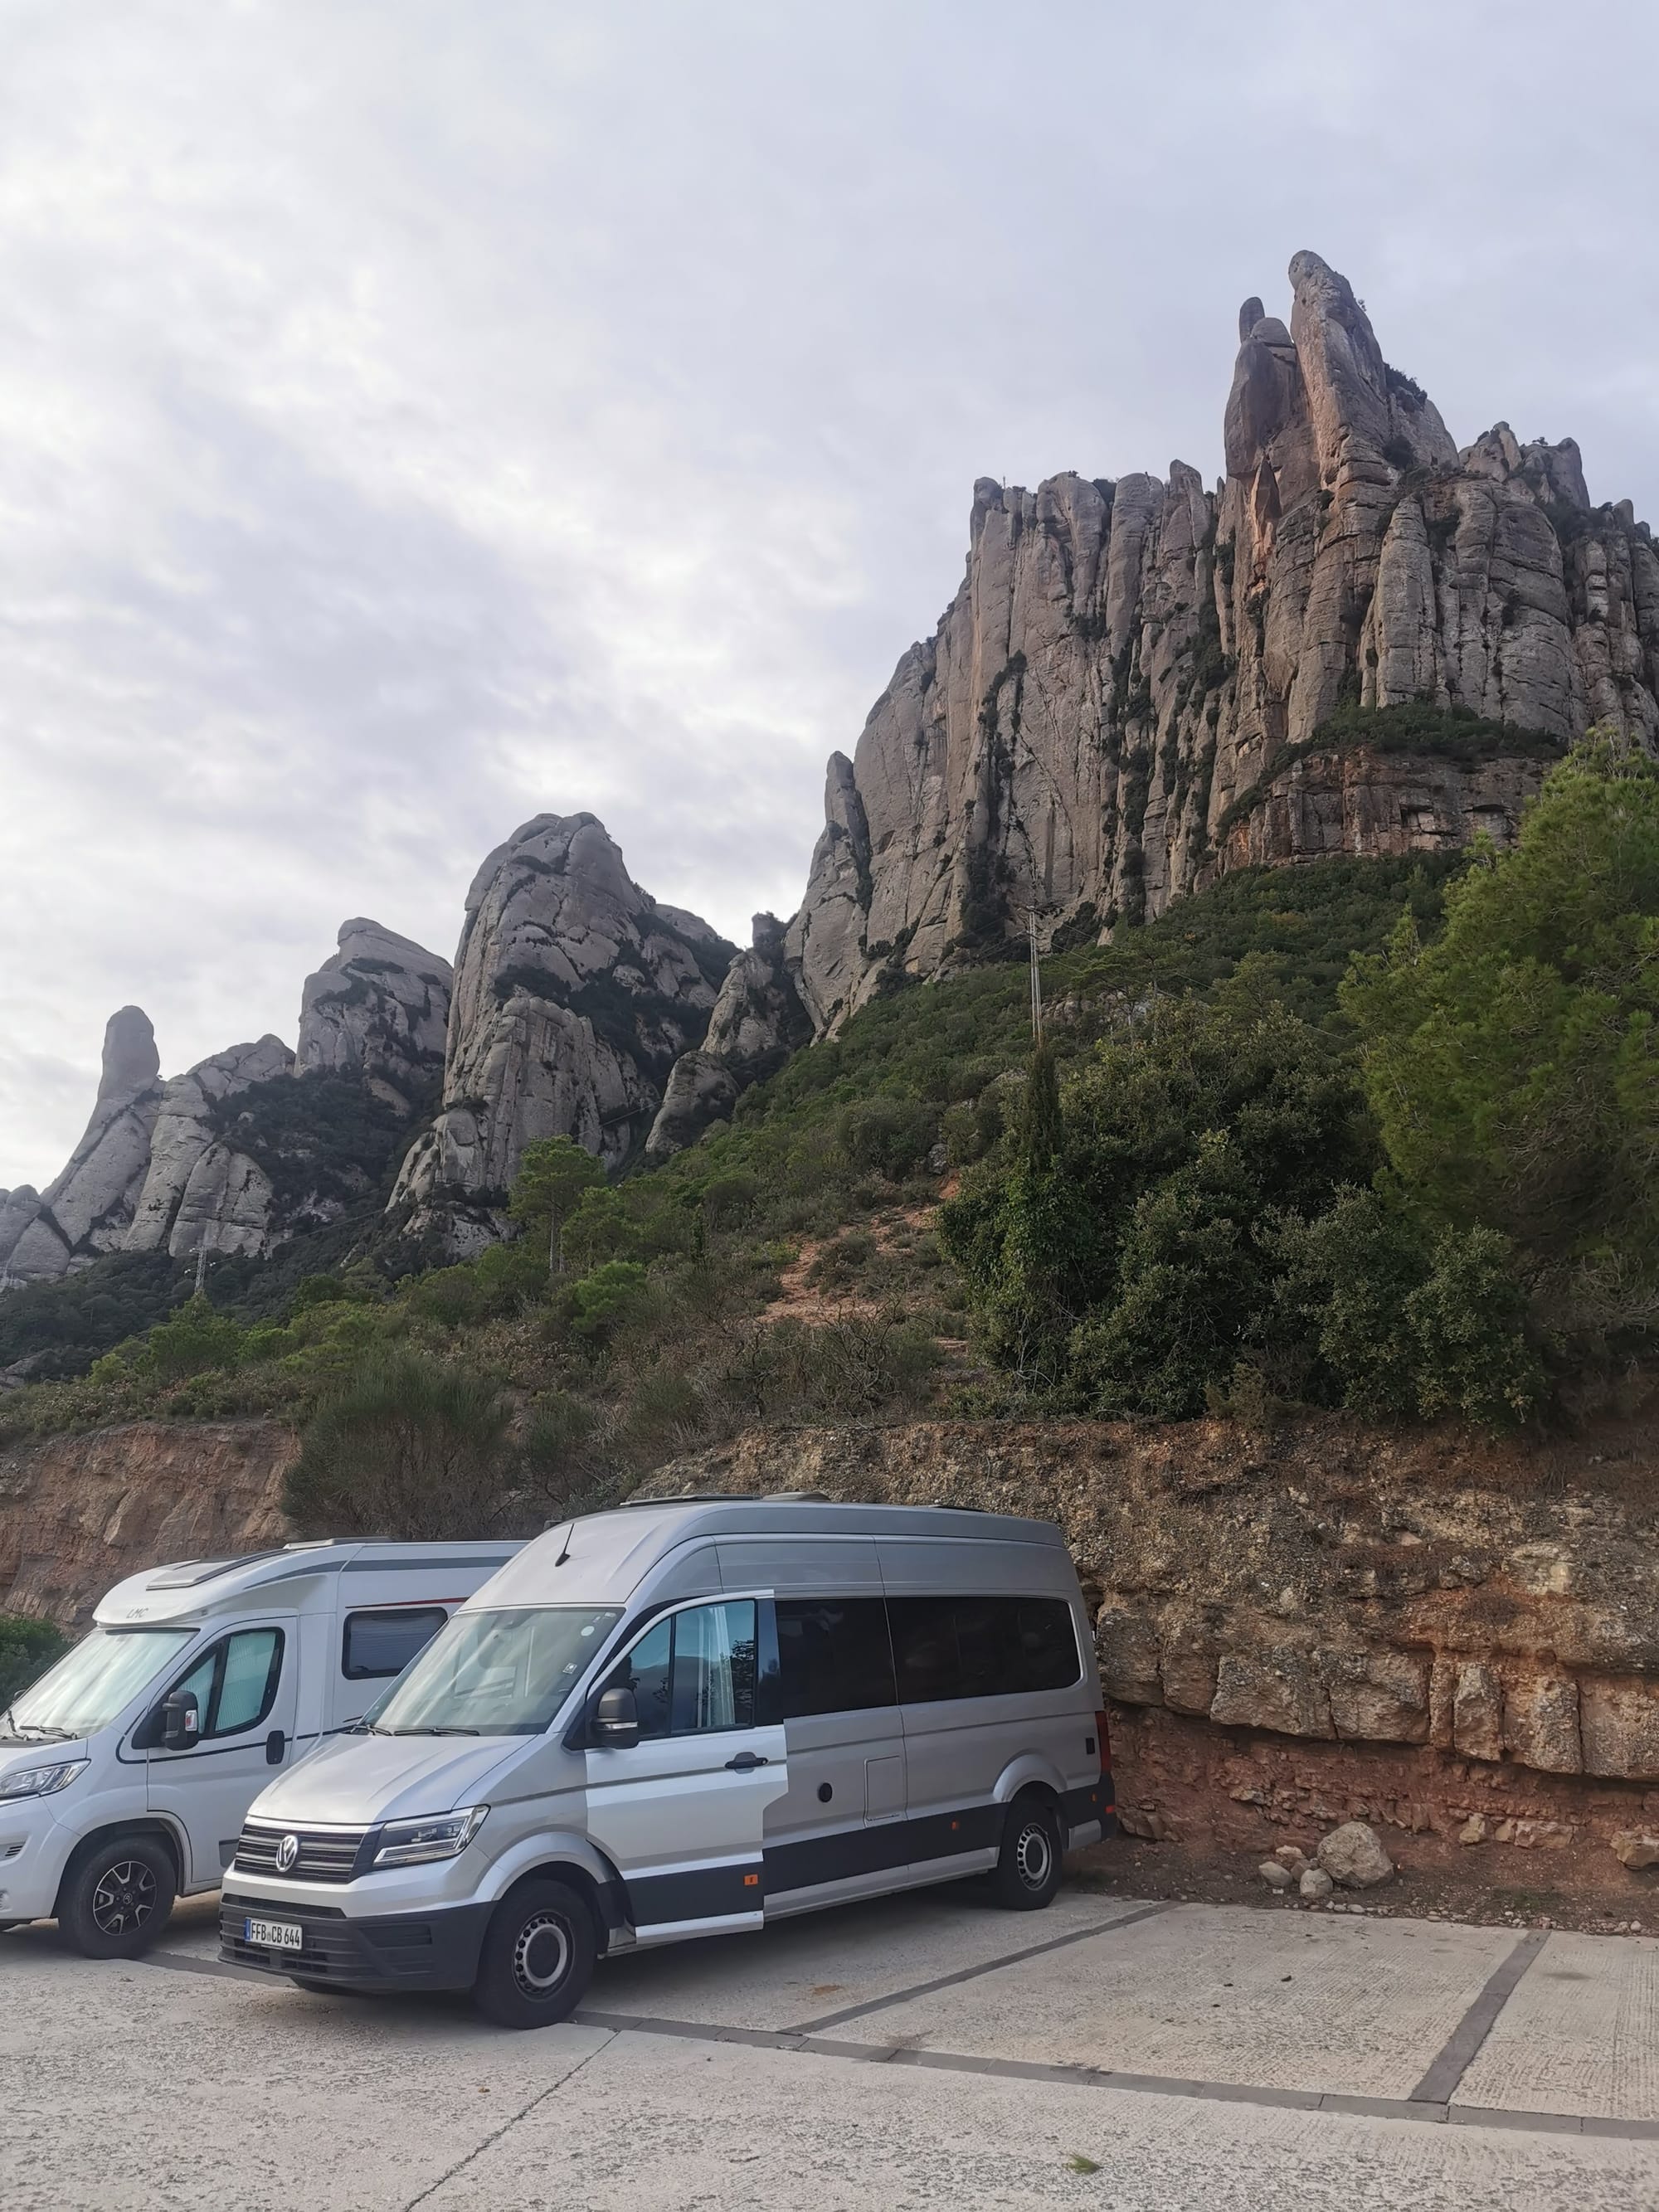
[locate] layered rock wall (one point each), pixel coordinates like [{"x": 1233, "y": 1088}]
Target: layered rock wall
[
  {"x": 378, "y": 1009},
  {"x": 1123, "y": 698},
  {"x": 1435, "y": 1625}
]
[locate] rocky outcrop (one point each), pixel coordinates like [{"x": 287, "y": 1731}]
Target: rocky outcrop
[
  {"x": 89, "y": 1209},
  {"x": 200, "y": 1192},
  {"x": 1472, "y": 1624},
  {"x": 378, "y": 1009},
  {"x": 1126, "y": 695},
  {"x": 574, "y": 993},
  {"x": 78, "y": 1513},
  {"x": 756, "y": 1022}
]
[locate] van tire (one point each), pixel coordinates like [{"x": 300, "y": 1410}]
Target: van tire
[
  {"x": 117, "y": 1897},
  {"x": 537, "y": 1956},
  {"x": 1028, "y": 1865}
]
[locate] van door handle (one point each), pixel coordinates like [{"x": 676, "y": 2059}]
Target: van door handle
[
  {"x": 745, "y": 1763},
  {"x": 276, "y": 1744}
]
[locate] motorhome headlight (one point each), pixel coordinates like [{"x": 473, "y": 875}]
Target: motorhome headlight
[
  {"x": 445, "y": 1836},
  {"x": 41, "y": 1781}
]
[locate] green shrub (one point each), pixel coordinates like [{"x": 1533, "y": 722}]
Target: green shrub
[
  {"x": 28, "y": 1648},
  {"x": 191, "y": 1341},
  {"x": 891, "y": 1136},
  {"x": 408, "y": 1448},
  {"x": 602, "y": 1300}
]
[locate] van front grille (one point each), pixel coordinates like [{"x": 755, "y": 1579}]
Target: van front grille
[{"x": 325, "y": 1853}]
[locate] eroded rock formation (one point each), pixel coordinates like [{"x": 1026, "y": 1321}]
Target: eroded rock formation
[
  {"x": 574, "y": 993},
  {"x": 756, "y": 1022},
  {"x": 199, "y": 1192},
  {"x": 1123, "y": 698},
  {"x": 378, "y": 1009},
  {"x": 89, "y": 1209}
]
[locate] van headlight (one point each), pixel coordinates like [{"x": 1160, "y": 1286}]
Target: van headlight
[
  {"x": 41, "y": 1781},
  {"x": 446, "y": 1835}
]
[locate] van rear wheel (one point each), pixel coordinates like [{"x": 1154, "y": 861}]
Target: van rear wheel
[
  {"x": 1027, "y": 1866},
  {"x": 118, "y": 1899},
  {"x": 537, "y": 1957}
]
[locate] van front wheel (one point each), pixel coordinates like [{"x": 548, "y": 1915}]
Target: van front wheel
[
  {"x": 118, "y": 1899},
  {"x": 537, "y": 1957},
  {"x": 1027, "y": 1867}
]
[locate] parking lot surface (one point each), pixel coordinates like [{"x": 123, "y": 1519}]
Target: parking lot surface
[{"x": 920, "y": 2051}]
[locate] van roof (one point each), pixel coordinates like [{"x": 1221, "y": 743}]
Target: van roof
[
  {"x": 187, "y": 1589},
  {"x": 615, "y": 1550}
]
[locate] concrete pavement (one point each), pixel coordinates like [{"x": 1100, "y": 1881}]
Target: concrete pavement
[{"x": 920, "y": 2051}]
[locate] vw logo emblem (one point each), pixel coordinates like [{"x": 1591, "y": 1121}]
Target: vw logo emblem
[{"x": 287, "y": 1851}]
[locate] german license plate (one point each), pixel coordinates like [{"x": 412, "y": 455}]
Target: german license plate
[{"x": 274, "y": 1934}]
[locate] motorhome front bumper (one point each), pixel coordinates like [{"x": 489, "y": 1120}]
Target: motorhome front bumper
[{"x": 383, "y": 1951}]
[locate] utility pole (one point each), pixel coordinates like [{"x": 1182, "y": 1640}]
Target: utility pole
[{"x": 1036, "y": 984}]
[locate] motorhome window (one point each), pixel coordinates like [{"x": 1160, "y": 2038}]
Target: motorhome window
[
  {"x": 234, "y": 1684},
  {"x": 982, "y": 1646},
  {"x": 500, "y": 1672},
  {"x": 92, "y": 1684},
  {"x": 693, "y": 1672},
  {"x": 834, "y": 1655},
  {"x": 379, "y": 1645}
]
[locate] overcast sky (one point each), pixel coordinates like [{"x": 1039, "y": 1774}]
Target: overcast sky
[{"x": 414, "y": 417}]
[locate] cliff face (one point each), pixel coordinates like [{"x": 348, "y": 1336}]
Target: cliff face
[
  {"x": 378, "y": 1009},
  {"x": 88, "y": 1209},
  {"x": 1122, "y": 699},
  {"x": 575, "y": 995},
  {"x": 77, "y": 1513},
  {"x": 1448, "y": 1625}
]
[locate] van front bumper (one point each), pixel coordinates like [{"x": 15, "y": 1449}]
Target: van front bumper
[{"x": 382, "y": 1950}]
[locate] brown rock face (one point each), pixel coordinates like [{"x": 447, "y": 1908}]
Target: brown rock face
[
  {"x": 1121, "y": 703},
  {"x": 77, "y": 1513}
]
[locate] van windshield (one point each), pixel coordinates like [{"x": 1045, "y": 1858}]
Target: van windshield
[
  {"x": 91, "y": 1685},
  {"x": 493, "y": 1674}
]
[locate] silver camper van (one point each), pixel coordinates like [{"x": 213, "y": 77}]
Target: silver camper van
[
  {"x": 683, "y": 1717},
  {"x": 126, "y": 1769}
]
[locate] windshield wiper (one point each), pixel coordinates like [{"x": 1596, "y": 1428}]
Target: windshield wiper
[
  {"x": 23, "y": 1732},
  {"x": 430, "y": 1731}
]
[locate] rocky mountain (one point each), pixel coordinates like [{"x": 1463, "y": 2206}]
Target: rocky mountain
[
  {"x": 575, "y": 992},
  {"x": 88, "y": 1209},
  {"x": 1142, "y": 683},
  {"x": 757, "y": 1021},
  {"x": 378, "y": 1009},
  {"x": 229, "y": 1157}
]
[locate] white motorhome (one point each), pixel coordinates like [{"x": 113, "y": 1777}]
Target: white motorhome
[
  {"x": 679, "y": 1718},
  {"x": 126, "y": 1770}
]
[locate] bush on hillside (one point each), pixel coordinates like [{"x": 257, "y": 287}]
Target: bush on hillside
[
  {"x": 407, "y": 1447},
  {"x": 1511, "y": 1063}
]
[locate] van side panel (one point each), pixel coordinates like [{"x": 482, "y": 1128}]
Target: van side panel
[{"x": 960, "y": 1753}]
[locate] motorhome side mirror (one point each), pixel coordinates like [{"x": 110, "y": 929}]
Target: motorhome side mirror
[
  {"x": 181, "y": 1722},
  {"x": 616, "y": 1720}
]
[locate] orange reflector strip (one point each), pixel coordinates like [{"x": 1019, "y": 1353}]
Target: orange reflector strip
[{"x": 751, "y": 1882}]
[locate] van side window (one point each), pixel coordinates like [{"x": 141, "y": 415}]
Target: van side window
[
  {"x": 982, "y": 1646},
  {"x": 234, "y": 1684},
  {"x": 834, "y": 1655},
  {"x": 714, "y": 1668},
  {"x": 376, "y": 1645},
  {"x": 693, "y": 1672}
]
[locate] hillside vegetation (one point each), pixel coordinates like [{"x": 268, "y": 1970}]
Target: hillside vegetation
[{"x": 1377, "y": 1134}]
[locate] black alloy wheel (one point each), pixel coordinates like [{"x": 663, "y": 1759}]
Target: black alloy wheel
[{"x": 118, "y": 1899}]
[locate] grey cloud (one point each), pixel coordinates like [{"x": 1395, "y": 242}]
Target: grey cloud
[{"x": 414, "y": 418}]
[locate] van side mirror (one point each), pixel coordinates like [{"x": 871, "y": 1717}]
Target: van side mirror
[
  {"x": 181, "y": 1722},
  {"x": 616, "y": 1720}
]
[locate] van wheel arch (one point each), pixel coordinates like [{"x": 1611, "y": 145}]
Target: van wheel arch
[
  {"x": 154, "y": 1830},
  {"x": 574, "y": 1876}
]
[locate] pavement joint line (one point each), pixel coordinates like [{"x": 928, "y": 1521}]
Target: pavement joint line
[
  {"x": 181, "y": 1962},
  {"x": 1416, "y": 2107},
  {"x": 508, "y": 2124},
  {"x": 1458, "y": 2053},
  {"x": 973, "y": 1973}
]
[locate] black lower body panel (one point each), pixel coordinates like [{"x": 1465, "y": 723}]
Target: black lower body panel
[{"x": 384, "y": 1951}]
